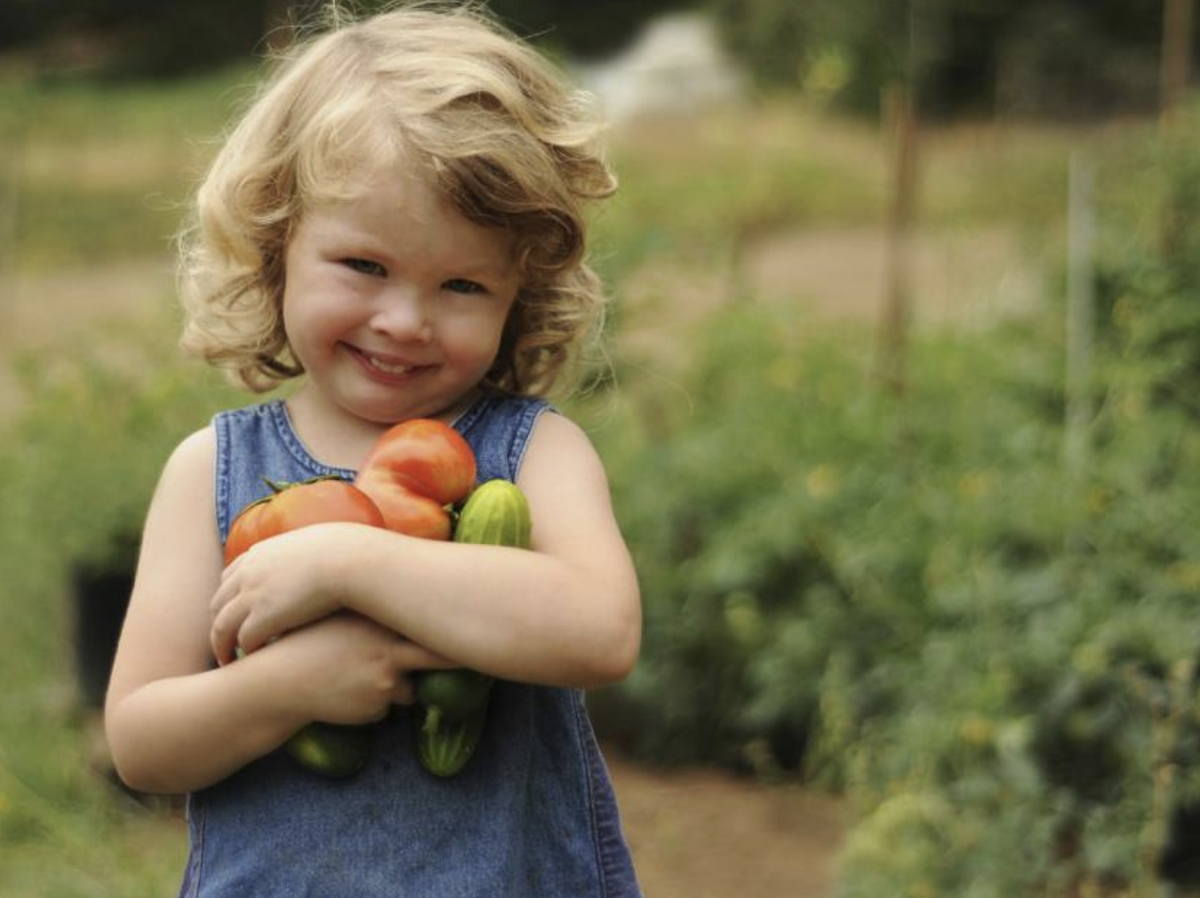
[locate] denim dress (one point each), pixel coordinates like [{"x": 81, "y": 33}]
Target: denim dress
[{"x": 532, "y": 815}]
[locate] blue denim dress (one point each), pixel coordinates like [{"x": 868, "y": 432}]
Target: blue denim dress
[{"x": 532, "y": 815}]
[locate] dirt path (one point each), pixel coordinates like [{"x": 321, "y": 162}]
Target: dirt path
[
  {"x": 42, "y": 316},
  {"x": 960, "y": 279},
  {"x": 708, "y": 834}
]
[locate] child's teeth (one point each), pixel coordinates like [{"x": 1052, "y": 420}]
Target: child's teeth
[{"x": 386, "y": 368}]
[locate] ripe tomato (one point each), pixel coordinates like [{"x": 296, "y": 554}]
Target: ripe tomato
[
  {"x": 413, "y": 515},
  {"x": 416, "y": 469},
  {"x": 295, "y": 505}
]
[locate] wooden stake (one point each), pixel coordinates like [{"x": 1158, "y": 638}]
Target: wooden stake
[
  {"x": 1175, "y": 62},
  {"x": 12, "y": 159},
  {"x": 1080, "y": 314},
  {"x": 897, "y": 300}
]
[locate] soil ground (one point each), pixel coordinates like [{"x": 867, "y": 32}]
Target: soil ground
[{"x": 700, "y": 833}]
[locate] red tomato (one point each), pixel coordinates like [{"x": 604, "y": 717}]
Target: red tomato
[
  {"x": 296, "y": 505},
  {"x": 412, "y": 515},
  {"x": 416, "y": 469}
]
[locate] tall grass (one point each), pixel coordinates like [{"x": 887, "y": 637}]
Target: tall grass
[{"x": 97, "y": 171}]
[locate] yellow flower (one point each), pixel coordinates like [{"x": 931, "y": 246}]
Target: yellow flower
[
  {"x": 1185, "y": 575},
  {"x": 975, "y": 485},
  {"x": 1099, "y": 500},
  {"x": 742, "y": 617},
  {"x": 1131, "y": 406},
  {"x": 1089, "y": 658},
  {"x": 822, "y": 482},
  {"x": 977, "y": 730}
]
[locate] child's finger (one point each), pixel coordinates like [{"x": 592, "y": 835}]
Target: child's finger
[
  {"x": 251, "y": 636},
  {"x": 404, "y": 692},
  {"x": 223, "y": 635},
  {"x": 225, "y": 591}
]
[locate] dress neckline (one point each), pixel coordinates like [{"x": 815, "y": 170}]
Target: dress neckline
[{"x": 277, "y": 410}]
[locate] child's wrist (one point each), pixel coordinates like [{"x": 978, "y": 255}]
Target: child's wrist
[{"x": 276, "y": 673}]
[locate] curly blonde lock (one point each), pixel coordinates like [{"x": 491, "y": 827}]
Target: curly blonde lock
[{"x": 505, "y": 136}]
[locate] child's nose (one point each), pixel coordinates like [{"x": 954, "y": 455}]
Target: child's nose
[{"x": 402, "y": 314}]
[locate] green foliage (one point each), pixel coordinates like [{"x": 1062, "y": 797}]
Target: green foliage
[
  {"x": 1149, "y": 277},
  {"x": 911, "y": 601},
  {"x": 91, "y": 172},
  {"x": 962, "y": 56},
  {"x": 917, "y": 600},
  {"x": 142, "y": 38},
  {"x": 76, "y": 474}
]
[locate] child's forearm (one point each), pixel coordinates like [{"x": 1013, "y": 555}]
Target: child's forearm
[
  {"x": 184, "y": 733},
  {"x": 516, "y": 614}
]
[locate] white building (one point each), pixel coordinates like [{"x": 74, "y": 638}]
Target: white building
[{"x": 676, "y": 65}]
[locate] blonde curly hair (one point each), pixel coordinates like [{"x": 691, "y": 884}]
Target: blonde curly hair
[{"x": 505, "y": 136}]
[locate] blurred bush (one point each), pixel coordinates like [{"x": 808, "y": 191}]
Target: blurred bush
[
  {"x": 989, "y": 57},
  {"x": 76, "y": 472},
  {"x": 917, "y": 601},
  {"x": 173, "y": 37},
  {"x": 1007, "y": 57}
]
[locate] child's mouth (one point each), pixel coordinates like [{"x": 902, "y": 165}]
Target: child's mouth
[{"x": 387, "y": 367}]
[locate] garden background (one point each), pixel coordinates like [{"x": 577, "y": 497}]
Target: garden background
[{"x": 900, "y": 416}]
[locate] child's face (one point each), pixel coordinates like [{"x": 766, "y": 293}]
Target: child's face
[{"x": 395, "y": 303}]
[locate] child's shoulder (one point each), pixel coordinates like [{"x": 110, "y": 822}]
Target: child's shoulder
[
  {"x": 269, "y": 410},
  {"x": 199, "y": 447},
  {"x": 195, "y": 449},
  {"x": 193, "y": 456},
  {"x": 196, "y": 453}
]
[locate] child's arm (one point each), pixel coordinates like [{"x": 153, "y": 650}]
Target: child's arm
[
  {"x": 567, "y": 613},
  {"x": 174, "y": 722}
]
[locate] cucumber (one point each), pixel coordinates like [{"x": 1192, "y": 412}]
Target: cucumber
[
  {"x": 454, "y": 693},
  {"x": 444, "y": 748},
  {"x": 496, "y": 514},
  {"x": 451, "y": 706},
  {"x": 332, "y": 750},
  {"x": 329, "y": 749}
]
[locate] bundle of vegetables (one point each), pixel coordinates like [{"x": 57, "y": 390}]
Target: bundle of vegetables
[
  {"x": 452, "y": 705},
  {"x": 417, "y": 470},
  {"x": 411, "y": 481},
  {"x": 333, "y": 750}
]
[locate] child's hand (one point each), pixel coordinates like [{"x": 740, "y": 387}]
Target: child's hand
[
  {"x": 348, "y": 669},
  {"x": 277, "y": 585}
]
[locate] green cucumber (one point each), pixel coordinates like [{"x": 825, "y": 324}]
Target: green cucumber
[
  {"x": 451, "y": 705},
  {"x": 443, "y": 747},
  {"x": 330, "y": 749},
  {"x": 454, "y": 693},
  {"x": 496, "y": 514}
]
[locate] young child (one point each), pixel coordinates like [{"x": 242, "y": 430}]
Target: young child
[{"x": 398, "y": 218}]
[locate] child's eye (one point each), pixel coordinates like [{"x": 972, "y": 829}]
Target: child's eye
[
  {"x": 462, "y": 285},
  {"x": 364, "y": 266}
]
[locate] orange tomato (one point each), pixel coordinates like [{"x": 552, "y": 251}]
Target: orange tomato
[
  {"x": 294, "y": 505},
  {"x": 414, "y": 472}
]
